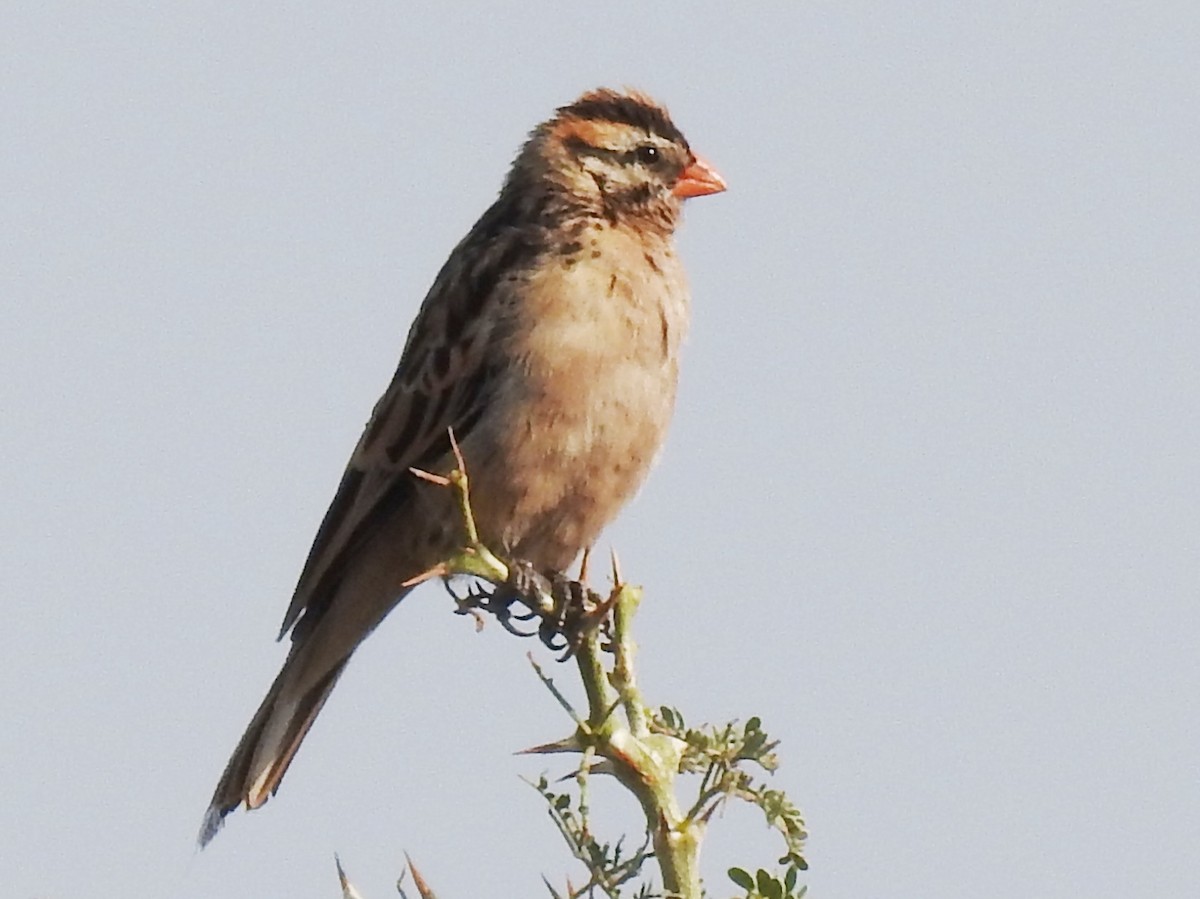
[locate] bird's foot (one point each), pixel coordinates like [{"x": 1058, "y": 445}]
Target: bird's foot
[
  {"x": 495, "y": 601},
  {"x": 568, "y": 609}
]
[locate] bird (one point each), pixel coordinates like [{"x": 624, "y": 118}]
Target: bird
[{"x": 548, "y": 349}]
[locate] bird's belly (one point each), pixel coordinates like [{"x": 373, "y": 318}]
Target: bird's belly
[
  {"x": 574, "y": 452},
  {"x": 588, "y": 394}
]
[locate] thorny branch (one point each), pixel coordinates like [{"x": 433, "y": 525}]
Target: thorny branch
[{"x": 619, "y": 735}]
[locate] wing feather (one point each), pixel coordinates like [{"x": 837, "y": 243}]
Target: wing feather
[{"x": 443, "y": 381}]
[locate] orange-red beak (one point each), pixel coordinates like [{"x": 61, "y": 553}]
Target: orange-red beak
[{"x": 698, "y": 179}]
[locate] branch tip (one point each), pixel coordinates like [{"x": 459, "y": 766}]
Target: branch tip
[
  {"x": 458, "y": 456},
  {"x": 430, "y": 477},
  {"x": 438, "y": 570}
]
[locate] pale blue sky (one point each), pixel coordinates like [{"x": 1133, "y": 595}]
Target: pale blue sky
[{"x": 930, "y": 507}]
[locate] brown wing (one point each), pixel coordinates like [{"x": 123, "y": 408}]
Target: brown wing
[{"x": 443, "y": 381}]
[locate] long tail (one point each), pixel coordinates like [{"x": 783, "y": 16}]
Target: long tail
[
  {"x": 270, "y": 742},
  {"x": 329, "y": 616}
]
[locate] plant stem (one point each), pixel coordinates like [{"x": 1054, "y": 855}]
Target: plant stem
[{"x": 640, "y": 764}]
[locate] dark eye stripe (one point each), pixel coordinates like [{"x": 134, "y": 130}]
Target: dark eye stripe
[
  {"x": 655, "y": 159},
  {"x": 580, "y": 147}
]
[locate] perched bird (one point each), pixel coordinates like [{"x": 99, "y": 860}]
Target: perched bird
[{"x": 550, "y": 343}]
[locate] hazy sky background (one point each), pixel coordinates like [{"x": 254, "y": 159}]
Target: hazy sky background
[{"x": 930, "y": 506}]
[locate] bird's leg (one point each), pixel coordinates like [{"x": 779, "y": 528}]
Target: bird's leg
[
  {"x": 577, "y": 611},
  {"x": 562, "y": 630},
  {"x": 539, "y": 593},
  {"x": 532, "y": 588},
  {"x": 567, "y": 608}
]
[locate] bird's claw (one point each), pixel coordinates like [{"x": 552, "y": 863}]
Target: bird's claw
[{"x": 568, "y": 610}]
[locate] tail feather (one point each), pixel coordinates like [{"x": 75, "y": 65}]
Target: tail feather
[
  {"x": 267, "y": 747},
  {"x": 331, "y": 625}
]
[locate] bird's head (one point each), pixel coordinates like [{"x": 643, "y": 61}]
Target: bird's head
[{"x": 617, "y": 155}]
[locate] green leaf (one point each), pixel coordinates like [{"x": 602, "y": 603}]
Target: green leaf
[
  {"x": 763, "y": 881},
  {"x": 796, "y": 860},
  {"x": 776, "y": 889},
  {"x": 742, "y": 878}
]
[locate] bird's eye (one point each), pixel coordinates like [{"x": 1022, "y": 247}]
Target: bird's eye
[{"x": 646, "y": 154}]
